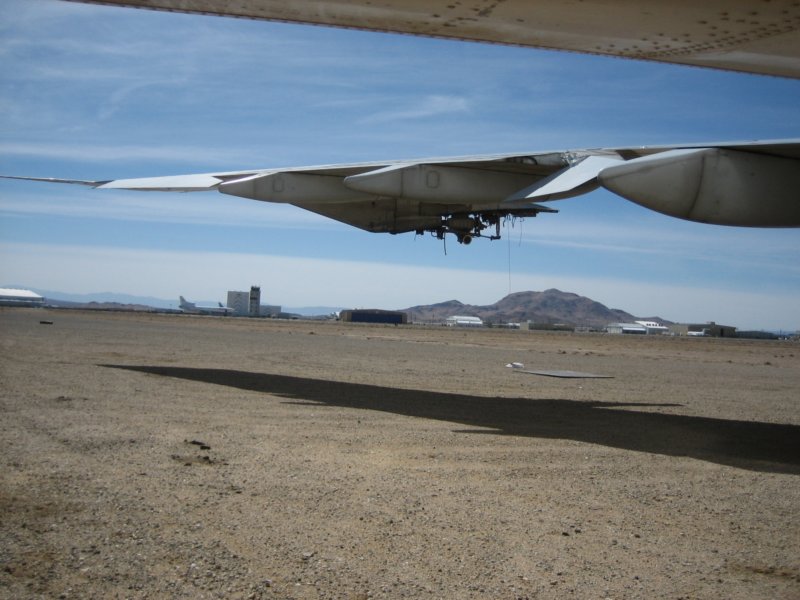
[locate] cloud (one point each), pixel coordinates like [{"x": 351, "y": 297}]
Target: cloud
[
  {"x": 108, "y": 153},
  {"x": 200, "y": 208},
  {"x": 423, "y": 108},
  {"x": 663, "y": 239}
]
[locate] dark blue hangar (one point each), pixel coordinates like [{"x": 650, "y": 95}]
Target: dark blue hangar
[{"x": 374, "y": 315}]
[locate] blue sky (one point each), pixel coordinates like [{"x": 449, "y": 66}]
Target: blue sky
[{"x": 93, "y": 92}]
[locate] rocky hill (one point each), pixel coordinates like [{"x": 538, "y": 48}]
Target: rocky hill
[
  {"x": 94, "y": 305},
  {"x": 550, "y": 306}
]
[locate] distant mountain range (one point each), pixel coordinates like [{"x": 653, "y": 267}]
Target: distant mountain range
[
  {"x": 77, "y": 300},
  {"x": 550, "y": 307},
  {"x": 114, "y": 301}
]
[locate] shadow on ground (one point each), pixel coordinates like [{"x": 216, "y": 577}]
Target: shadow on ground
[{"x": 766, "y": 447}]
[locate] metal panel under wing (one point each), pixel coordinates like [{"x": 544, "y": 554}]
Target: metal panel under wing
[{"x": 381, "y": 215}]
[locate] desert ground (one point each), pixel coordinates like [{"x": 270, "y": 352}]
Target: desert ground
[{"x": 177, "y": 456}]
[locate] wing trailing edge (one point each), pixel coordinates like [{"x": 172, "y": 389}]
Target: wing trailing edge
[
  {"x": 174, "y": 183},
  {"x": 93, "y": 184},
  {"x": 573, "y": 180}
]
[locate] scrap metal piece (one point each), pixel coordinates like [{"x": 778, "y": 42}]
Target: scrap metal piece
[{"x": 565, "y": 374}]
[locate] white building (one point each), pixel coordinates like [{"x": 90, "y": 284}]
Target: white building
[
  {"x": 627, "y": 328},
  {"x": 16, "y": 297},
  {"x": 654, "y": 327},
  {"x": 248, "y": 304},
  {"x": 461, "y": 321},
  {"x": 240, "y": 303},
  {"x": 245, "y": 304},
  {"x": 638, "y": 327}
]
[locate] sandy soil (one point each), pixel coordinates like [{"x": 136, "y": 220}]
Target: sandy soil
[{"x": 149, "y": 456}]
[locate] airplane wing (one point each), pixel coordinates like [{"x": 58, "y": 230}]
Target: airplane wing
[
  {"x": 746, "y": 184},
  {"x": 737, "y": 35}
]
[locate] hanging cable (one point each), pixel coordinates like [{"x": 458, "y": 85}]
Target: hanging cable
[{"x": 508, "y": 235}]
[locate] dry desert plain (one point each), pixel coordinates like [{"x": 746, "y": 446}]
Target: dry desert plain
[{"x": 176, "y": 456}]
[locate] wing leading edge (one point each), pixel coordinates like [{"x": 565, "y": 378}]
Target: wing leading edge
[{"x": 744, "y": 184}]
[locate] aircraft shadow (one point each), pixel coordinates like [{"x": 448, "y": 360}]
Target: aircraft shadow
[{"x": 757, "y": 446}]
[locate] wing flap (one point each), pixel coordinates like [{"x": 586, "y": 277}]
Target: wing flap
[
  {"x": 571, "y": 181},
  {"x": 174, "y": 183},
  {"x": 443, "y": 184}
]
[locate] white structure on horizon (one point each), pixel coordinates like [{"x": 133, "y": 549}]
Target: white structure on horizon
[
  {"x": 461, "y": 321},
  {"x": 248, "y": 304},
  {"x": 654, "y": 327},
  {"x": 638, "y": 327},
  {"x": 17, "y": 297},
  {"x": 245, "y": 304},
  {"x": 627, "y": 328}
]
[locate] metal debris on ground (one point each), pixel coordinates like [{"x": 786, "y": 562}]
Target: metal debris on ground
[{"x": 567, "y": 374}]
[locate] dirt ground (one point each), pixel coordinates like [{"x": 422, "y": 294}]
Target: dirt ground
[{"x": 148, "y": 456}]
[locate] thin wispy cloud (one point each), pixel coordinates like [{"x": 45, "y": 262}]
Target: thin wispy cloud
[
  {"x": 662, "y": 246},
  {"x": 423, "y": 108},
  {"x": 196, "y": 208},
  {"x": 100, "y": 153}
]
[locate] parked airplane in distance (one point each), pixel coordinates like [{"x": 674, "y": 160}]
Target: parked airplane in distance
[{"x": 191, "y": 307}]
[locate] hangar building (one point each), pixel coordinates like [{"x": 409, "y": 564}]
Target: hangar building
[
  {"x": 463, "y": 321},
  {"x": 15, "y": 297},
  {"x": 710, "y": 329},
  {"x": 627, "y": 328},
  {"x": 374, "y": 315},
  {"x": 638, "y": 327}
]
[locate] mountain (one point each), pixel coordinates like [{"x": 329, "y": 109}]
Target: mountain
[
  {"x": 103, "y": 300},
  {"x": 550, "y": 306}
]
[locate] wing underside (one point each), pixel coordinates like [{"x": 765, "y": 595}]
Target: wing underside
[
  {"x": 744, "y": 184},
  {"x": 461, "y": 196},
  {"x": 737, "y": 35}
]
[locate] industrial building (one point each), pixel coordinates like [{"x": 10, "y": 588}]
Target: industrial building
[
  {"x": 546, "y": 326},
  {"x": 638, "y": 328},
  {"x": 654, "y": 327},
  {"x": 374, "y": 315},
  {"x": 239, "y": 302},
  {"x": 463, "y": 321},
  {"x": 16, "y": 297},
  {"x": 710, "y": 329},
  {"x": 626, "y": 328},
  {"x": 248, "y": 304}
]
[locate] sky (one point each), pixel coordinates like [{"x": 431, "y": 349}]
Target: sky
[{"x": 95, "y": 92}]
